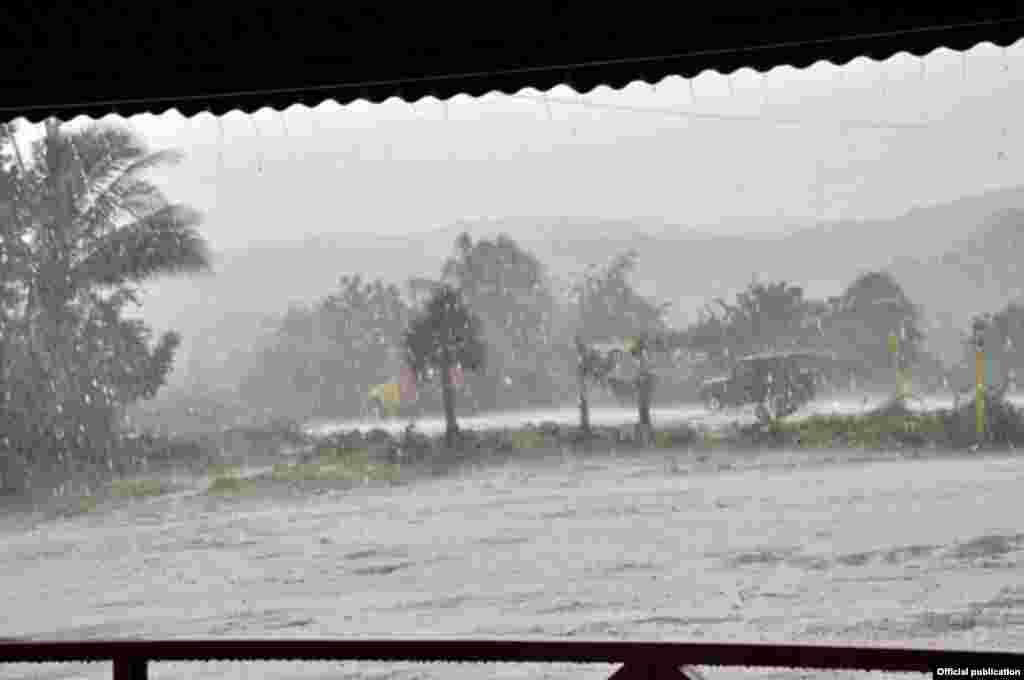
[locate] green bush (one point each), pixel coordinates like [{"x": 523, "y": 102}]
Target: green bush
[
  {"x": 528, "y": 439},
  {"x": 225, "y": 479},
  {"x": 87, "y": 503},
  {"x": 663, "y": 440},
  {"x": 345, "y": 465},
  {"x": 869, "y": 431},
  {"x": 222, "y": 470},
  {"x": 816, "y": 435},
  {"x": 1005, "y": 424},
  {"x": 676, "y": 437},
  {"x": 711, "y": 439},
  {"x": 137, "y": 488},
  {"x": 222, "y": 486}
]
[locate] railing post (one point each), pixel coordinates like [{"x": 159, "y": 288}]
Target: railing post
[
  {"x": 638, "y": 671},
  {"x": 130, "y": 668}
]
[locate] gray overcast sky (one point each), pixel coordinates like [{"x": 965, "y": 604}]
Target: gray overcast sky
[{"x": 399, "y": 169}]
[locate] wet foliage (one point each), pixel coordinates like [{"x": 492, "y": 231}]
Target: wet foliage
[
  {"x": 509, "y": 291},
  {"x": 137, "y": 488},
  {"x": 1004, "y": 423},
  {"x": 445, "y": 336},
  {"x": 83, "y": 229},
  {"x": 869, "y": 431},
  {"x": 322, "y": 361},
  {"x": 341, "y": 465}
]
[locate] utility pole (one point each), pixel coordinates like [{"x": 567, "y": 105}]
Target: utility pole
[{"x": 979, "y": 378}]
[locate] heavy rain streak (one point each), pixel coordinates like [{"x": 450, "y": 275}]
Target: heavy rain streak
[{"x": 732, "y": 358}]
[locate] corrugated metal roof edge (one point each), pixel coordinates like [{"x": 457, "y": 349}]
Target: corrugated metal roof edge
[{"x": 587, "y": 78}]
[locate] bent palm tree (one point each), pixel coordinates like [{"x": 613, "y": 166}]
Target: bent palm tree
[
  {"x": 117, "y": 228},
  {"x": 92, "y": 228}
]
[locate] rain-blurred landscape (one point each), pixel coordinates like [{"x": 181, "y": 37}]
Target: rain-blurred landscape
[{"x": 733, "y": 358}]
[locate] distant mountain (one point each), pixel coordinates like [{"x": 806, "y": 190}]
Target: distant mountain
[
  {"x": 954, "y": 258},
  {"x": 231, "y": 308},
  {"x": 981, "y": 273}
]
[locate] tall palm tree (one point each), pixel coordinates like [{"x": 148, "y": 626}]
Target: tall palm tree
[
  {"x": 112, "y": 227},
  {"x": 93, "y": 228}
]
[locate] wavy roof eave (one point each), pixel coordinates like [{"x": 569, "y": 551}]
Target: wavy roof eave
[{"x": 445, "y": 76}]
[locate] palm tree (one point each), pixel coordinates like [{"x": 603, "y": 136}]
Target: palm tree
[
  {"x": 115, "y": 228},
  {"x": 444, "y": 336},
  {"x": 92, "y": 229}
]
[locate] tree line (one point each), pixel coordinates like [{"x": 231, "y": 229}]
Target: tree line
[
  {"x": 328, "y": 355},
  {"x": 525, "y": 339},
  {"x": 82, "y": 228}
]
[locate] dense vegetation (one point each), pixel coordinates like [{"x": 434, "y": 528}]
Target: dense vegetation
[{"x": 82, "y": 228}]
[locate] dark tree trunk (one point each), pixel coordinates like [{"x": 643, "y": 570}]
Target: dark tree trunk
[
  {"x": 448, "y": 399},
  {"x": 644, "y": 402},
  {"x": 581, "y": 387},
  {"x": 584, "y": 404},
  {"x": 644, "y": 394}
]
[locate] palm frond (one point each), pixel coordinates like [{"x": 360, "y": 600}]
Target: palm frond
[
  {"x": 101, "y": 147},
  {"x": 122, "y": 188},
  {"x": 164, "y": 242}
]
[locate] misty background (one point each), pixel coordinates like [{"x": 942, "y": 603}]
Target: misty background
[{"x": 815, "y": 176}]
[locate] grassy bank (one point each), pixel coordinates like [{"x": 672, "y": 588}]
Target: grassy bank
[
  {"x": 892, "y": 427},
  {"x": 141, "y": 466},
  {"x": 896, "y": 427},
  {"x": 323, "y": 466},
  {"x": 354, "y": 459}
]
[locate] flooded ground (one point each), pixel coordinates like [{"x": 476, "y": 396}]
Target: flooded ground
[{"x": 789, "y": 547}]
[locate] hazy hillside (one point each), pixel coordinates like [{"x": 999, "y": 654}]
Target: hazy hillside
[
  {"x": 227, "y": 310},
  {"x": 982, "y": 273},
  {"x": 953, "y": 258}
]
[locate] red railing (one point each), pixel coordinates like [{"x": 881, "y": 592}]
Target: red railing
[{"x": 648, "y": 660}]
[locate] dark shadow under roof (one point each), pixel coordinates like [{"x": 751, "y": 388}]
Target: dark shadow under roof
[{"x": 138, "y": 59}]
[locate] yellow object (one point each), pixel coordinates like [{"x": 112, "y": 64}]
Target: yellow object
[
  {"x": 389, "y": 394},
  {"x": 901, "y": 375},
  {"x": 903, "y": 385}
]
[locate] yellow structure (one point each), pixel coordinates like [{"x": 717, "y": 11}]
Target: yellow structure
[
  {"x": 979, "y": 327},
  {"x": 389, "y": 395},
  {"x": 902, "y": 374}
]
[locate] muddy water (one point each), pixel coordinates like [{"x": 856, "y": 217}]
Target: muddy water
[{"x": 917, "y": 552}]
